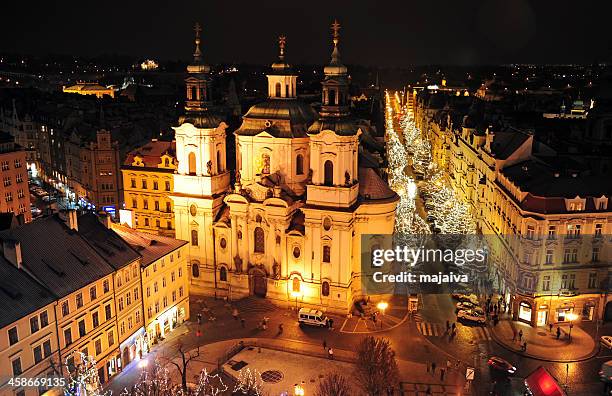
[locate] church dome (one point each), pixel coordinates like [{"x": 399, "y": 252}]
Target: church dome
[{"x": 278, "y": 117}]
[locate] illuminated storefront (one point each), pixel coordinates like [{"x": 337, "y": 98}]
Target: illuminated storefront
[
  {"x": 525, "y": 312},
  {"x": 132, "y": 347}
]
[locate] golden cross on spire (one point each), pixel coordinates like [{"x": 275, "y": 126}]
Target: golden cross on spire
[
  {"x": 335, "y": 27},
  {"x": 282, "y": 40},
  {"x": 197, "y": 28}
]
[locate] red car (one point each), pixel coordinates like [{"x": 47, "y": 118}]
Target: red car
[{"x": 502, "y": 365}]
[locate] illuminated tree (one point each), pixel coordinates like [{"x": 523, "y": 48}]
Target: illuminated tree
[
  {"x": 376, "y": 368},
  {"x": 334, "y": 384},
  {"x": 249, "y": 383}
]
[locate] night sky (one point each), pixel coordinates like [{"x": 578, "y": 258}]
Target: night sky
[{"x": 384, "y": 33}]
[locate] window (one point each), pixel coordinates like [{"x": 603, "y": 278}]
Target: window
[
  {"x": 195, "y": 270},
  {"x": 155, "y": 287},
  {"x": 598, "y": 230},
  {"x": 172, "y": 276},
  {"x": 120, "y": 305},
  {"x": 328, "y": 173},
  {"x": 155, "y": 185},
  {"x": 157, "y": 307},
  {"x": 144, "y": 184},
  {"x": 164, "y": 282},
  {"x": 47, "y": 348},
  {"x": 98, "y": 346},
  {"x": 122, "y": 328},
  {"x": 68, "y": 336},
  {"x": 65, "y": 308},
  {"x": 549, "y": 256},
  {"x": 106, "y": 286},
  {"x": 134, "y": 203},
  {"x": 593, "y": 280},
  {"x": 223, "y": 274},
  {"x": 137, "y": 315},
  {"x": 296, "y": 252},
  {"x": 325, "y": 289},
  {"x": 128, "y": 298},
  {"x": 19, "y": 178},
  {"x": 38, "y": 354},
  {"x": 111, "y": 338},
  {"x": 573, "y": 230},
  {"x": 145, "y": 203},
  {"x": 34, "y": 324},
  {"x": 107, "y": 312},
  {"x": 546, "y": 283},
  {"x": 296, "y": 285},
  {"x": 567, "y": 256},
  {"x": 133, "y": 183},
  {"x": 194, "y": 237},
  {"x": 595, "y": 254},
  {"x": 82, "y": 330},
  {"x": 79, "y": 300},
  {"x": 119, "y": 282},
  {"x": 156, "y": 205},
  {"x": 552, "y": 231},
  {"x": 277, "y": 90},
  {"x": 530, "y": 232},
  {"x": 44, "y": 319},
  {"x": 95, "y": 320},
  {"x": 167, "y": 186},
  {"x": 219, "y": 162},
  {"x": 173, "y": 295},
  {"x": 16, "y": 364},
  {"x": 259, "y": 237},
  {"x": 130, "y": 323},
  {"x": 223, "y": 243},
  {"x": 265, "y": 161},
  {"x": 165, "y": 301},
  {"x": 299, "y": 164},
  {"x": 571, "y": 282},
  {"x": 326, "y": 254},
  {"x": 192, "y": 163},
  {"x": 135, "y": 294},
  {"x": 93, "y": 291},
  {"x": 180, "y": 272},
  {"x": 181, "y": 291},
  {"x": 13, "y": 336}
]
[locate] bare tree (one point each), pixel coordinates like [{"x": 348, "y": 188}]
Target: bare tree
[
  {"x": 182, "y": 362},
  {"x": 334, "y": 384},
  {"x": 154, "y": 381},
  {"x": 376, "y": 366}
]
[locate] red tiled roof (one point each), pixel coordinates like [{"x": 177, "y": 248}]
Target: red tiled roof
[
  {"x": 372, "y": 187},
  {"x": 151, "y": 153}
]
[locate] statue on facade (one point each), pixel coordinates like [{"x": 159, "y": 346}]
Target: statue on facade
[
  {"x": 209, "y": 167},
  {"x": 347, "y": 178},
  {"x": 238, "y": 177},
  {"x": 276, "y": 270},
  {"x": 238, "y": 264}
]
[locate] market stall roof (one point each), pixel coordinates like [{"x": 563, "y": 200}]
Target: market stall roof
[{"x": 541, "y": 383}]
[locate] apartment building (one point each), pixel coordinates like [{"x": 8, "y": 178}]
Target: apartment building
[
  {"x": 14, "y": 193},
  {"x": 551, "y": 220},
  {"x": 148, "y": 182},
  {"x": 165, "y": 282},
  {"x": 28, "y": 337}
]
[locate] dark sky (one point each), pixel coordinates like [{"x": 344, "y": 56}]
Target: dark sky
[{"x": 385, "y": 33}]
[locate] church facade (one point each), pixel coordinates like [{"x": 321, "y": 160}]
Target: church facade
[{"x": 289, "y": 227}]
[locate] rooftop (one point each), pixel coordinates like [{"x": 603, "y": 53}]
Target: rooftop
[{"x": 150, "y": 246}]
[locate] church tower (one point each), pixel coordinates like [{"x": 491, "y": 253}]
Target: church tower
[{"x": 202, "y": 178}]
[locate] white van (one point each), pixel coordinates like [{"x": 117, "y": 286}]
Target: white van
[{"x": 312, "y": 317}]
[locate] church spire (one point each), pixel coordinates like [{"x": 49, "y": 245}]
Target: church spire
[
  {"x": 282, "y": 40},
  {"x": 335, "y": 94},
  {"x": 335, "y": 67},
  {"x": 197, "y": 54}
]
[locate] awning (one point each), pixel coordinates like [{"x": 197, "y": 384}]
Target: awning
[{"x": 541, "y": 383}]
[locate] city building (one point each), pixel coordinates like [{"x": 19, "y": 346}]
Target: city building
[
  {"x": 90, "y": 89},
  {"x": 28, "y": 333},
  {"x": 547, "y": 216},
  {"x": 148, "y": 183},
  {"x": 262, "y": 236},
  {"x": 14, "y": 192},
  {"x": 165, "y": 282}
]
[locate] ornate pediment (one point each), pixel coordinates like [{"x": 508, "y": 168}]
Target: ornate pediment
[{"x": 257, "y": 192}]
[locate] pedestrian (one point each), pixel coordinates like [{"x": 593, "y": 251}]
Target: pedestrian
[
  {"x": 280, "y": 329},
  {"x": 324, "y": 345},
  {"x": 550, "y": 327},
  {"x": 235, "y": 313},
  {"x": 513, "y": 335},
  {"x": 330, "y": 323},
  {"x": 433, "y": 368},
  {"x": 242, "y": 322},
  {"x": 454, "y": 326},
  {"x": 428, "y": 391},
  {"x": 525, "y": 346},
  {"x": 442, "y": 375},
  {"x": 448, "y": 326},
  {"x": 558, "y": 332},
  {"x": 428, "y": 365},
  {"x": 330, "y": 353},
  {"x": 390, "y": 391},
  {"x": 520, "y": 335},
  {"x": 449, "y": 365},
  {"x": 199, "y": 316}
]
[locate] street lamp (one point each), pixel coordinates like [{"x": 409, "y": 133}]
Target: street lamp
[
  {"x": 296, "y": 294},
  {"x": 381, "y": 307},
  {"x": 571, "y": 317},
  {"x": 298, "y": 390}
]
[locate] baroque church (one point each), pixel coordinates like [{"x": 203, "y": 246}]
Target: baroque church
[{"x": 289, "y": 228}]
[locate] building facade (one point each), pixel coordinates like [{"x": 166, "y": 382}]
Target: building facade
[
  {"x": 262, "y": 236},
  {"x": 14, "y": 192},
  {"x": 148, "y": 183}
]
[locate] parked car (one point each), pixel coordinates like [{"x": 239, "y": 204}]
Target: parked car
[
  {"x": 605, "y": 373},
  {"x": 606, "y": 341},
  {"x": 35, "y": 211},
  {"x": 466, "y": 305},
  {"x": 501, "y": 365},
  {"x": 472, "y": 298},
  {"x": 471, "y": 315},
  {"x": 312, "y": 317}
]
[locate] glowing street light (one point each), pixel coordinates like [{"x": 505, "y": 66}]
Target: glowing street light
[
  {"x": 571, "y": 317},
  {"x": 298, "y": 390},
  {"x": 296, "y": 294},
  {"x": 381, "y": 307}
]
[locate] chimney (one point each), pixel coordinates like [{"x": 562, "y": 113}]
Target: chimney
[{"x": 12, "y": 252}]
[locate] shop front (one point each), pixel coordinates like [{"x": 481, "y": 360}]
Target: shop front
[
  {"x": 131, "y": 348},
  {"x": 542, "y": 318},
  {"x": 564, "y": 311},
  {"x": 525, "y": 312}
]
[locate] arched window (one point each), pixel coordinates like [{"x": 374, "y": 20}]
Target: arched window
[
  {"x": 194, "y": 237},
  {"x": 219, "y": 164},
  {"x": 277, "y": 90},
  {"x": 325, "y": 289},
  {"x": 195, "y": 270},
  {"x": 265, "y": 161},
  {"x": 328, "y": 169},
  {"x": 166, "y": 162},
  {"x": 286, "y": 90},
  {"x": 202, "y": 93},
  {"x": 194, "y": 93},
  {"x": 223, "y": 274},
  {"x": 260, "y": 240},
  {"x": 296, "y": 284},
  {"x": 299, "y": 164},
  {"x": 191, "y": 159},
  {"x": 332, "y": 97}
]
